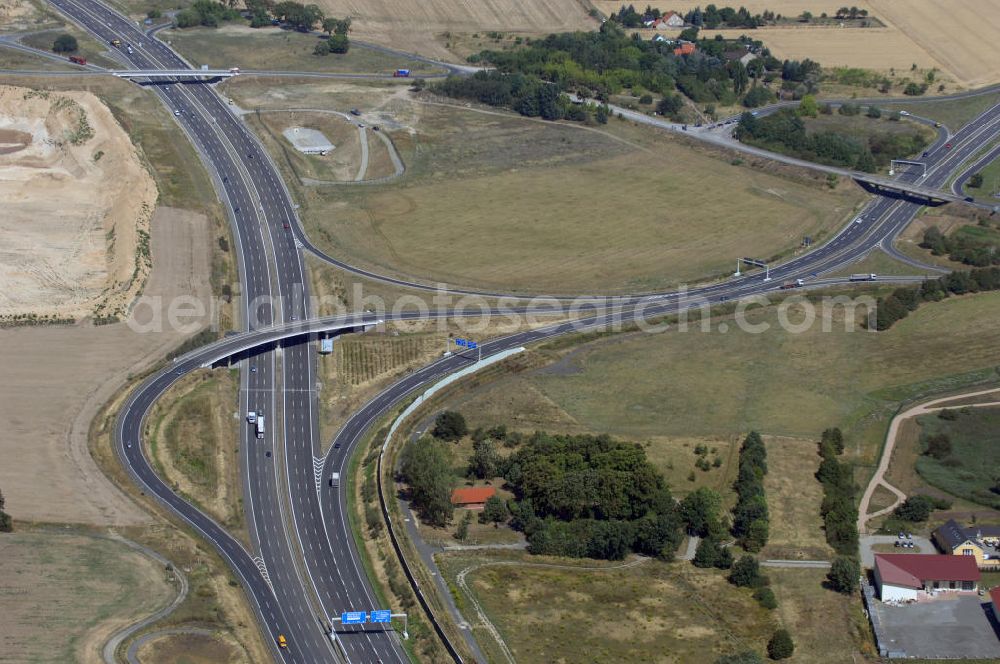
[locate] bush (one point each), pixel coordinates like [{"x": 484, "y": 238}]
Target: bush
[
  {"x": 646, "y": 99},
  {"x": 915, "y": 509},
  {"x": 765, "y": 597},
  {"x": 322, "y": 48},
  {"x": 450, "y": 425},
  {"x": 65, "y": 44},
  {"x": 844, "y": 574},
  {"x": 780, "y": 646},
  {"x": 938, "y": 446},
  {"x": 746, "y": 573},
  {"x": 339, "y": 44}
]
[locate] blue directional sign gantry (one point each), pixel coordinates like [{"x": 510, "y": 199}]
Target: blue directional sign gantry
[
  {"x": 381, "y": 616},
  {"x": 353, "y": 617},
  {"x": 461, "y": 342}
]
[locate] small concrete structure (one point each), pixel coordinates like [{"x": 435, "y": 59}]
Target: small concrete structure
[{"x": 308, "y": 141}]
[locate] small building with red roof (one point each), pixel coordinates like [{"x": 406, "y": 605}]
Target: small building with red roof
[
  {"x": 908, "y": 576},
  {"x": 472, "y": 497},
  {"x": 995, "y": 599}
]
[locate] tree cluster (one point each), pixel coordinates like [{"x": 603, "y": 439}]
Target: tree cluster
[
  {"x": 785, "y": 132},
  {"x": 972, "y": 248},
  {"x": 840, "y": 515},
  {"x": 596, "y": 65},
  {"x": 426, "y": 469},
  {"x": 902, "y": 301},
  {"x": 750, "y": 516},
  {"x": 844, "y": 574},
  {"x": 450, "y": 425},
  {"x": 590, "y": 496},
  {"x": 205, "y": 12},
  {"x": 713, "y": 17}
]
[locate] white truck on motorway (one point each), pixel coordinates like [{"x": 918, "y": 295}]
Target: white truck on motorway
[
  {"x": 260, "y": 426},
  {"x": 864, "y": 277},
  {"x": 335, "y": 480}
]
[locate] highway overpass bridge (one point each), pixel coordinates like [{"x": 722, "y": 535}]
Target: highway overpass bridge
[{"x": 203, "y": 73}]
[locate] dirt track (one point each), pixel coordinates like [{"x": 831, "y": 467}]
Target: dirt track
[
  {"x": 878, "y": 479},
  {"x": 56, "y": 379}
]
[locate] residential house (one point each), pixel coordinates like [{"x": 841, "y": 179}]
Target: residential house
[
  {"x": 995, "y": 601},
  {"x": 909, "y": 576},
  {"x": 671, "y": 20},
  {"x": 472, "y": 498},
  {"x": 979, "y": 542},
  {"x": 685, "y": 48},
  {"x": 662, "y": 39}
]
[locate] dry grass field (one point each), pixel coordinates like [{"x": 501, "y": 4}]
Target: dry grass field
[
  {"x": 419, "y": 26},
  {"x": 793, "y": 498},
  {"x": 529, "y": 206},
  {"x": 960, "y": 39},
  {"x": 648, "y": 612},
  {"x": 191, "y": 649},
  {"x": 275, "y": 49},
  {"x": 63, "y": 595},
  {"x": 194, "y": 444}
]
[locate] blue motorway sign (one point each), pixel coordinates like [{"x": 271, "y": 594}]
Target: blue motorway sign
[
  {"x": 353, "y": 617},
  {"x": 461, "y": 342},
  {"x": 381, "y": 616}
]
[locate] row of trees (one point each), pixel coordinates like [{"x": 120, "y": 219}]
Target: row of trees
[
  {"x": 971, "y": 248},
  {"x": 528, "y": 95},
  {"x": 902, "y": 301},
  {"x": 750, "y": 515},
  {"x": 840, "y": 515}
]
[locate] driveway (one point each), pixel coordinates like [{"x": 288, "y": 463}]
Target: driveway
[{"x": 921, "y": 545}]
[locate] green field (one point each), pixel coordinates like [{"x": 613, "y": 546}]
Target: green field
[
  {"x": 496, "y": 201},
  {"x": 970, "y": 471},
  {"x": 237, "y": 45},
  {"x": 700, "y": 384}
]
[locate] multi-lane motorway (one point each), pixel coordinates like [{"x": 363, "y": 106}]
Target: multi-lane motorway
[{"x": 303, "y": 568}]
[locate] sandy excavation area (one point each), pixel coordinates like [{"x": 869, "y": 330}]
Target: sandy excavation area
[{"x": 74, "y": 236}]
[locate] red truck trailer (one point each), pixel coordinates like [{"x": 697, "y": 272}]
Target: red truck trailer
[{"x": 77, "y": 60}]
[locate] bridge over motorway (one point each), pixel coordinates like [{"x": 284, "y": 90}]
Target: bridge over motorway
[{"x": 203, "y": 73}]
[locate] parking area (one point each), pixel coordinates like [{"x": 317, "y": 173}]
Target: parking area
[
  {"x": 887, "y": 544},
  {"x": 953, "y": 626}
]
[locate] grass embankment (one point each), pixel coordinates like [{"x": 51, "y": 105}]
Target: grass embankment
[
  {"x": 952, "y": 113},
  {"x": 190, "y": 649},
  {"x": 276, "y": 49},
  {"x": 194, "y": 443},
  {"x": 526, "y": 206},
  {"x": 89, "y": 48},
  {"x": 991, "y": 181},
  {"x": 64, "y": 594},
  {"x": 969, "y": 471}
]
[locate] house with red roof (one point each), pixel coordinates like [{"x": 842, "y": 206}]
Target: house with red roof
[
  {"x": 909, "y": 576},
  {"x": 995, "y": 600},
  {"x": 472, "y": 497}
]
